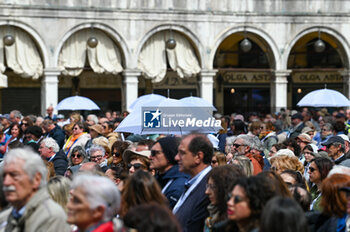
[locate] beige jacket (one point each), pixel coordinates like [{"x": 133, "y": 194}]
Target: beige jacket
[{"x": 41, "y": 214}]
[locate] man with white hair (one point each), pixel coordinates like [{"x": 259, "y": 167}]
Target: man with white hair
[
  {"x": 91, "y": 120},
  {"x": 50, "y": 151},
  {"x": 93, "y": 204},
  {"x": 24, "y": 184},
  {"x": 98, "y": 155}
]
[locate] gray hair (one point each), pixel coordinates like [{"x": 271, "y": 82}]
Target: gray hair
[
  {"x": 328, "y": 126},
  {"x": 81, "y": 151},
  {"x": 94, "y": 118},
  {"x": 51, "y": 143},
  {"x": 33, "y": 163},
  {"x": 257, "y": 144},
  {"x": 339, "y": 169},
  {"x": 99, "y": 191},
  {"x": 247, "y": 140},
  {"x": 95, "y": 148},
  {"x": 16, "y": 113}
]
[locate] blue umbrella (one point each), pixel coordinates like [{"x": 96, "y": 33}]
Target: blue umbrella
[
  {"x": 324, "y": 98},
  {"x": 77, "y": 103}
]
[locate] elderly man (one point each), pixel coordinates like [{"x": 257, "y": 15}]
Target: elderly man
[
  {"x": 98, "y": 155},
  {"x": 194, "y": 157},
  {"x": 91, "y": 120},
  {"x": 15, "y": 116},
  {"x": 336, "y": 148},
  {"x": 163, "y": 161},
  {"x": 50, "y": 151},
  {"x": 54, "y": 131},
  {"x": 297, "y": 125},
  {"x": 24, "y": 184},
  {"x": 242, "y": 146}
]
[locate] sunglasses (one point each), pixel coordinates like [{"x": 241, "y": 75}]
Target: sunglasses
[
  {"x": 236, "y": 199},
  {"x": 214, "y": 161},
  {"x": 237, "y": 145},
  {"x": 96, "y": 157},
  {"x": 116, "y": 154},
  {"x": 155, "y": 152},
  {"x": 136, "y": 166},
  {"x": 76, "y": 156},
  {"x": 312, "y": 169}
]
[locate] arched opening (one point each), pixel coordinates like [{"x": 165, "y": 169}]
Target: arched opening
[
  {"x": 21, "y": 64},
  {"x": 244, "y": 61},
  {"x": 91, "y": 62},
  {"x": 316, "y": 60},
  {"x": 173, "y": 70}
]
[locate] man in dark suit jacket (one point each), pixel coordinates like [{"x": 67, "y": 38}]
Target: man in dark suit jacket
[
  {"x": 50, "y": 151},
  {"x": 194, "y": 156},
  {"x": 54, "y": 131}
]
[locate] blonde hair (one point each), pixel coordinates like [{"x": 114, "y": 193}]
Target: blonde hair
[
  {"x": 58, "y": 188},
  {"x": 285, "y": 162},
  {"x": 245, "y": 163}
]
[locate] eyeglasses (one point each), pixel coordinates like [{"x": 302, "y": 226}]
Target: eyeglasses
[
  {"x": 116, "y": 154},
  {"x": 312, "y": 169},
  {"x": 136, "y": 166},
  {"x": 324, "y": 130},
  {"x": 237, "y": 145},
  {"x": 96, "y": 157},
  {"x": 25, "y": 124},
  {"x": 155, "y": 152},
  {"x": 273, "y": 168},
  {"x": 236, "y": 198},
  {"x": 77, "y": 156},
  {"x": 210, "y": 186},
  {"x": 214, "y": 161}
]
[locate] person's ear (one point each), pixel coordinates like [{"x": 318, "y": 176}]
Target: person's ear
[
  {"x": 97, "y": 213},
  {"x": 199, "y": 157},
  {"x": 247, "y": 149},
  {"x": 36, "y": 180}
]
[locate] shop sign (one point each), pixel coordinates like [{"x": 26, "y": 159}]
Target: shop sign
[
  {"x": 321, "y": 77},
  {"x": 246, "y": 77}
]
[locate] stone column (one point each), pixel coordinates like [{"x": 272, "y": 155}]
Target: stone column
[
  {"x": 346, "y": 80},
  {"x": 206, "y": 85},
  {"x": 49, "y": 89},
  {"x": 130, "y": 87},
  {"x": 279, "y": 90}
]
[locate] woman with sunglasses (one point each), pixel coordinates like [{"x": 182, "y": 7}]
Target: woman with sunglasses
[
  {"x": 220, "y": 180},
  {"x": 118, "y": 149},
  {"x": 246, "y": 201},
  {"x": 78, "y": 138},
  {"x": 141, "y": 188},
  {"x": 78, "y": 156},
  {"x": 136, "y": 160},
  {"x": 318, "y": 171}
]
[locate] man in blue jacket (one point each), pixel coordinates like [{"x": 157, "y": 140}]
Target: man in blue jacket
[
  {"x": 194, "y": 157},
  {"x": 162, "y": 158}
]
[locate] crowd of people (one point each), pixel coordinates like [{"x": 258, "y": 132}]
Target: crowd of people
[{"x": 288, "y": 171}]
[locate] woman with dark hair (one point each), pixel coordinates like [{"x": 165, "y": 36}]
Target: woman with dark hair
[
  {"x": 220, "y": 181},
  {"x": 151, "y": 217},
  {"x": 277, "y": 183},
  {"x": 283, "y": 214},
  {"x": 16, "y": 134},
  {"x": 291, "y": 177},
  {"x": 141, "y": 188},
  {"x": 318, "y": 171},
  {"x": 78, "y": 156},
  {"x": 118, "y": 175},
  {"x": 78, "y": 138},
  {"x": 333, "y": 204},
  {"x": 292, "y": 145},
  {"x": 246, "y": 202},
  {"x": 118, "y": 149}
]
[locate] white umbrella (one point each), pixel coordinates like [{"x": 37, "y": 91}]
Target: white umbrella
[
  {"x": 133, "y": 123},
  {"x": 197, "y": 101},
  {"x": 324, "y": 98},
  {"x": 77, "y": 103},
  {"x": 146, "y": 100}
]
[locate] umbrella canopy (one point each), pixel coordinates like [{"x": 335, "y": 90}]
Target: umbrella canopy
[
  {"x": 133, "y": 123},
  {"x": 77, "y": 103},
  {"x": 197, "y": 101},
  {"x": 324, "y": 98},
  {"x": 148, "y": 99}
]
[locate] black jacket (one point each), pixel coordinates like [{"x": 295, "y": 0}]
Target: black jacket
[
  {"x": 57, "y": 134},
  {"x": 60, "y": 163}
]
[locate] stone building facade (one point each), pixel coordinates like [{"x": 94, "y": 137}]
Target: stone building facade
[{"x": 280, "y": 64}]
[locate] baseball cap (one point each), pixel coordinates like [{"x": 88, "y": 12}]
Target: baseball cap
[{"x": 333, "y": 139}]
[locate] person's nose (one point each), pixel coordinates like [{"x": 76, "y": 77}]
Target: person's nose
[
  {"x": 7, "y": 180},
  {"x": 177, "y": 157}
]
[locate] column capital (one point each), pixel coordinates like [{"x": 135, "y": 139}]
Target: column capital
[
  {"x": 52, "y": 72},
  {"x": 131, "y": 72},
  {"x": 282, "y": 73},
  {"x": 208, "y": 72}
]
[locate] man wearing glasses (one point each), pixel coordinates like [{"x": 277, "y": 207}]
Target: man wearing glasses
[
  {"x": 98, "y": 155},
  {"x": 242, "y": 146},
  {"x": 162, "y": 160}
]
